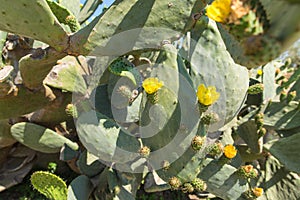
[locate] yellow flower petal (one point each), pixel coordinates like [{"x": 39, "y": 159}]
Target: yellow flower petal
[
  {"x": 219, "y": 10},
  {"x": 207, "y": 96},
  {"x": 151, "y": 85},
  {"x": 230, "y": 151},
  {"x": 257, "y": 191}
]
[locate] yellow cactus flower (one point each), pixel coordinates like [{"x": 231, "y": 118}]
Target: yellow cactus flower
[
  {"x": 230, "y": 151},
  {"x": 207, "y": 96},
  {"x": 219, "y": 10},
  {"x": 151, "y": 85},
  {"x": 259, "y": 72},
  {"x": 257, "y": 191}
]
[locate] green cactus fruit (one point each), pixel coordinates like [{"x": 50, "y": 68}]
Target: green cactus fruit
[
  {"x": 199, "y": 184},
  {"x": 197, "y": 142},
  {"x": 175, "y": 183},
  {"x": 210, "y": 118},
  {"x": 247, "y": 171},
  {"x": 216, "y": 149},
  {"x": 256, "y": 88},
  {"x": 145, "y": 151},
  {"x": 50, "y": 185},
  {"x": 40, "y": 138},
  {"x": 187, "y": 188},
  {"x": 72, "y": 22},
  {"x": 259, "y": 120}
]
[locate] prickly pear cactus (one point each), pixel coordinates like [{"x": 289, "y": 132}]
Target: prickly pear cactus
[
  {"x": 50, "y": 185},
  {"x": 151, "y": 95}
]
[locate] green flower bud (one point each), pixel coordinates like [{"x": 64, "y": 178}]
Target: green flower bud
[
  {"x": 248, "y": 171},
  {"x": 210, "y": 118},
  {"x": 199, "y": 184},
  {"x": 175, "y": 183},
  {"x": 256, "y": 88},
  {"x": 216, "y": 149},
  {"x": 145, "y": 152},
  {"x": 197, "y": 142},
  {"x": 187, "y": 188}
]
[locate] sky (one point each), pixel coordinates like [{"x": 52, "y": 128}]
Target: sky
[{"x": 99, "y": 10}]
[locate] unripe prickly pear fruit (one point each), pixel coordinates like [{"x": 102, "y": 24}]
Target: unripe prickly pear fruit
[
  {"x": 199, "y": 184},
  {"x": 248, "y": 171},
  {"x": 210, "y": 118},
  {"x": 256, "y": 88},
  {"x": 197, "y": 142},
  {"x": 145, "y": 152},
  {"x": 175, "y": 183},
  {"x": 216, "y": 149},
  {"x": 187, "y": 188}
]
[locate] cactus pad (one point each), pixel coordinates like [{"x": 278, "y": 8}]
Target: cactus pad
[{"x": 50, "y": 185}]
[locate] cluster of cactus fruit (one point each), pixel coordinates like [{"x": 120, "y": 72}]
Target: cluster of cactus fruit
[{"x": 162, "y": 94}]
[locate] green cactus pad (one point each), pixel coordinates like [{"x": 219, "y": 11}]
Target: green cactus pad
[
  {"x": 67, "y": 76},
  {"x": 50, "y": 185},
  {"x": 121, "y": 187},
  {"x": 63, "y": 15},
  {"x": 287, "y": 151},
  {"x": 73, "y": 6},
  {"x": 101, "y": 34},
  {"x": 25, "y": 102},
  {"x": 248, "y": 132},
  {"x": 35, "y": 67},
  {"x": 87, "y": 10},
  {"x": 89, "y": 165},
  {"x": 282, "y": 116},
  {"x": 40, "y": 138},
  {"x": 33, "y": 19},
  {"x": 279, "y": 182},
  {"x": 104, "y": 138},
  {"x": 212, "y": 65},
  {"x": 222, "y": 180},
  {"x": 80, "y": 188},
  {"x": 269, "y": 80}
]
